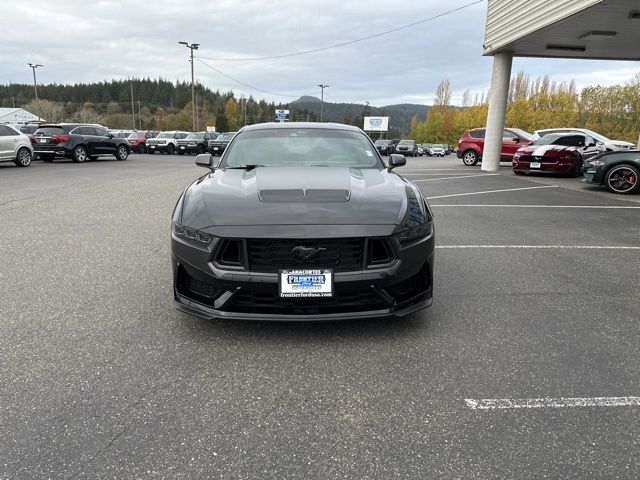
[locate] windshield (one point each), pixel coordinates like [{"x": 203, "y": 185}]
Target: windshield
[
  {"x": 50, "y": 131},
  {"x": 597, "y": 136},
  {"x": 548, "y": 139},
  {"x": 195, "y": 136},
  {"x": 382, "y": 142},
  {"x": 165, "y": 135},
  {"x": 225, "y": 136},
  {"x": 521, "y": 133},
  {"x": 136, "y": 135},
  {"x": 289, "y": 147},
  {"x": 406, "y": 142}
]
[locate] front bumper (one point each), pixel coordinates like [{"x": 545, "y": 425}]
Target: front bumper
[
  {"x": 187, "y": 148},
  {"x": 158, "y": 148},
  {"x": 548, "y": 168},
  {"x": 403, "y": 287},
  {"x": 217, "y": 149}
]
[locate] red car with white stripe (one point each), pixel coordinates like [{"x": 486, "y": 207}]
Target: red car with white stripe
[{"x": 556, "y": 153}]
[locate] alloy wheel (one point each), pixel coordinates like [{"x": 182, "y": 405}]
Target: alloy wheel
[
  {"x": 24, "y": 157},
  {"x": 622, "y": 179}
]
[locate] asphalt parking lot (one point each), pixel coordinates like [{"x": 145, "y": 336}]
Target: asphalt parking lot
[{"x": 535, "y": 298}]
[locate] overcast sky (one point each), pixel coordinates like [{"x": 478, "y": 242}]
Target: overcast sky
[{"x": 87, "y": 41}]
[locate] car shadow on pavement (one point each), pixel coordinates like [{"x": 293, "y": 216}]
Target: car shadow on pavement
[{"x": 315, "y": 331}]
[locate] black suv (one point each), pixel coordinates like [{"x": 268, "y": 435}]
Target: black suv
[
  {"x": 383, "y": 146},
  {"x": 196, "y": 142},
  {"x": 79, "y": 142},
  {"x": 218, "y": 146}
]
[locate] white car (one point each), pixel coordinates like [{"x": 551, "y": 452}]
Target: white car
[
  {"x": 437, "y": 150},
  {"x": 166, "y": 142},
  {"x": 15, "y": 147},
  {"x": 609, "y": 145}
]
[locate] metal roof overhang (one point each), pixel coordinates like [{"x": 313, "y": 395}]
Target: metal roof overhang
[{"x": 606, "y": 30}]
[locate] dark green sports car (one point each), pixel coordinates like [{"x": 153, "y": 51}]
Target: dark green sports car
[{"x": 618, "y": 171}]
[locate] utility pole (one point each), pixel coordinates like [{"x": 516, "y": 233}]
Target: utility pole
[
  {"x": 35, "y": 84},
  {"x": 13, "y": 99},
  {"x": 192, "y": 47},
  {"x": 133, "y": 109},
  {"x": 139, "y": 117},
  {"x": 322, "y": 87},
  {"x": 404, "y": 114}
]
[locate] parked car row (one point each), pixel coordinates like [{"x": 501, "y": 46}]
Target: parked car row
[{"x": 614, "y": 164}]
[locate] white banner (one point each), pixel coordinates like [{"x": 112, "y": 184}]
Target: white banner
[{"x": 376, "y": 124}]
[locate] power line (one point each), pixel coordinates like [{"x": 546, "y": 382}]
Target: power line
[
  {"x": 351, "y": 42},
  {"x": 243, "y": 83}
]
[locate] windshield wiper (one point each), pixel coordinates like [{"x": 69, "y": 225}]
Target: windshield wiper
[{"x": 245, "y": 167}]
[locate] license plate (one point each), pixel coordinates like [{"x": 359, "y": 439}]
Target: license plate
[
  {"x": 306, "y": 283},
  {"x": 215, "y": 148},
  {"x": 534, "y": 165},
  {"x": 183, "y": 147},
  {"x": 43, "y": 140},
  {"x": 152, "y": 146}
]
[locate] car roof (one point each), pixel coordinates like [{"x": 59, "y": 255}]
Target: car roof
[{"x": 314, "y": 125}]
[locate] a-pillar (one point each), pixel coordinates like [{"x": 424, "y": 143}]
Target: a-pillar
[{"x": 498, "y": 96}]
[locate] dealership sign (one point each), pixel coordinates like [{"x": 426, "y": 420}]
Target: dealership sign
[
  {"x": 376, "y": 124},
  {"x": 282, "y": 115}
]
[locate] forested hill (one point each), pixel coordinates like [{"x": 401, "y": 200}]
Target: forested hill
[{"x": 161, "y": 104}]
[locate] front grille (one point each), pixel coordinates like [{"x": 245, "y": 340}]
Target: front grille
[
  {"x": 538, "y": 159},
  {"x": 267, "y": 301},
  {"x": 339, "y": 254}
]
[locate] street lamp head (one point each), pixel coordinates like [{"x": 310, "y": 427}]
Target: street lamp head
[
  {"x": 195, "y": 46},
  {"x": 183, "y": 43}
]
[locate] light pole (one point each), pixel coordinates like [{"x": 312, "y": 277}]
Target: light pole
[
  {"x": 322, "y": 87},
  {"x": 35, "y": 83},
  {"x": 192, "y": 47}
]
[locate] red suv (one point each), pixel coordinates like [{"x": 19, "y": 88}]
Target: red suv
[
  {"x": 138, "y": 140},
  {"x": 471, "y": 144}
]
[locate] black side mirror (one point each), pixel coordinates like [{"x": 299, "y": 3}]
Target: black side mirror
[
  {"x": 592, "y": 144},
  {"x": 396, "y": 160},
  {"x": 205, "y": 160},
  {"x": 110, "y": 135},
  {"x": 516, "y": 139}
]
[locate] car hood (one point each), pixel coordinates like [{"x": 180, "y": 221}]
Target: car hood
[
  {"x": 541, "y": 150},
  {"x": 296, "y": 195}
]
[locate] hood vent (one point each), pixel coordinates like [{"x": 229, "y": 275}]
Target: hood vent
[{"x": 304, "y": 196}]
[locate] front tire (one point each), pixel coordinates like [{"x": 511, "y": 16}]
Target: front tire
[
  {"x": 142, "y": 149},
  {"x": 623, "y": 179},
  {"x": 122, "y": 153},
  {"x": 171, "y": 149},
  {"x": 80, "y": 154},
  {"x": 24, "y": 157},
  {"x": 470, "y": 158}
]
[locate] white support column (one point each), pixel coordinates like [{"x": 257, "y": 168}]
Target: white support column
[{"x": 498, "y": 96}]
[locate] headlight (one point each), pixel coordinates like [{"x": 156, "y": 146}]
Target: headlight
[
  {"x": 596, "y": 163},
  {"x": 415, "y": 233},
  {"x": 191, "y": 234}
]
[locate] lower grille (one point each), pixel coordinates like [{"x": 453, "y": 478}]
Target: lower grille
[
  {"x": 412, "y": 286},
  {"x": 339, "y": 254},
  {"x": 538, "y": 159},
  {"x": 267, "y": 301},
  {"x": 197, "y": 289}
]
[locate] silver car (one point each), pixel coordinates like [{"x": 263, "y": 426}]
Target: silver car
[{"x": 15, "y": 147}]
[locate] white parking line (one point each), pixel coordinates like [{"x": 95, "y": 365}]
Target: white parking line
[
  {"x": 461, "y": 176},
  {"x": 622, "y": 207},
  {"x": 544, "y": 247},
  {"x": 493, "y": 191},
  {"x": 561, "y": 402}
]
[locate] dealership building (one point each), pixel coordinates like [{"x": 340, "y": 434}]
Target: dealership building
[
  {"x": 17, "y": 115},
  {"x": 553, "y": 29}
]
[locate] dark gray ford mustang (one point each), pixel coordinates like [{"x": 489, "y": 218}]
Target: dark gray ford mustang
[{"x": 301, "y": 221}]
